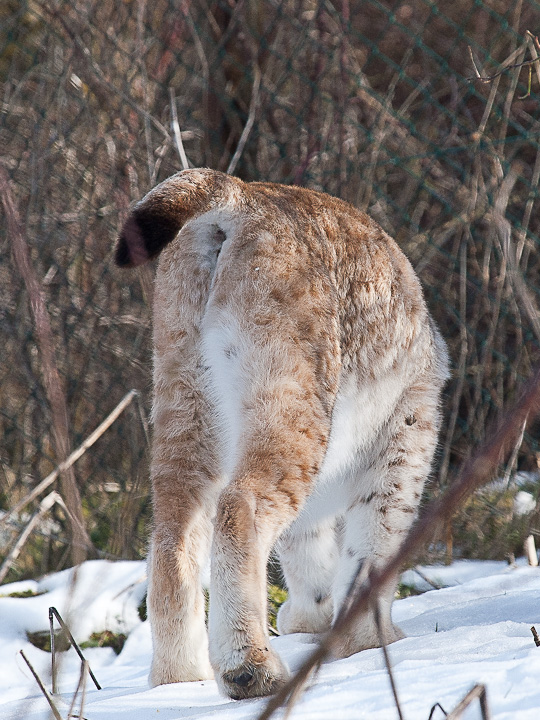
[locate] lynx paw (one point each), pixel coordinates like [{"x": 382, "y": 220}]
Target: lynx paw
[
  {"x": 296, "y": 619},
  {"x": 367, "y": 637},
  {"x": 260, "y": 673},
  {"x": 163, "y": 673}
]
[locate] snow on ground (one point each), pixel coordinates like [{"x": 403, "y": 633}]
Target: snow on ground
[{"x": 475, "y": 631}]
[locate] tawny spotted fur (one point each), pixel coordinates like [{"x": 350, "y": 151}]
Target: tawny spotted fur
[{"x": 297, "y": 376}]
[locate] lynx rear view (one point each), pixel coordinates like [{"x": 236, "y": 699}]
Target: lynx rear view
[{"x": 297, "y": 376}]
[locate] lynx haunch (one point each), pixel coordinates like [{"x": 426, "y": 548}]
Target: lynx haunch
[{"x": 297, "y": 376}]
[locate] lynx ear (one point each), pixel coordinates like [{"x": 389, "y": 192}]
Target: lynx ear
[
  {"x": 156, "y": 220},
  {"x": 144, "y": 235}
]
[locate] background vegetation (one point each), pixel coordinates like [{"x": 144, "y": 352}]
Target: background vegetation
[{"x": 376, "y": 101}]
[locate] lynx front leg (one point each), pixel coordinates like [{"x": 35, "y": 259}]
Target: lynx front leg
[
  {"x": 175, "y": 598},
  {"x": 185, "y": 489}
]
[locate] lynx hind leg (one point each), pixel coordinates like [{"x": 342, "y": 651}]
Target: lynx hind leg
[
  {"x": 384, "y": 504},
  {"x": 270, "y": 483},
  {"x": 309, "y": 557},
  {"x": 279, "y": 418}
]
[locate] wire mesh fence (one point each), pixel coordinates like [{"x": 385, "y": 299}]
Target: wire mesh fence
[{"x": 424, "y": 114}]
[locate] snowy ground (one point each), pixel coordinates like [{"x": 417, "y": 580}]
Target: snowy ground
[{"x": 476, "y": 631}]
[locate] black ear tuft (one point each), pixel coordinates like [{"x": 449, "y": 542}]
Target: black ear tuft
[
  {"x": 154, "y": 229},
  {"x": 130, "y": 250},
  {"x": 122, "y": 255},
  {"x": 143, "y": 236}
]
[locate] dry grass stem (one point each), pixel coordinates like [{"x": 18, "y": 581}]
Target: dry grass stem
[
  {"x": 42, "y": 687},
  {"x": 507, "y": 64},
  {"x": 530, "y": 551},
  {"x": 81, "y": 687},
  {"x": 176, "y": 132}
]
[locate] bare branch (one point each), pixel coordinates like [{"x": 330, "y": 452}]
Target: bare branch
[
  {"x": 13, "y": 554},
  {"x": 98, "y": 73},
  {"x": 75, "y": 455},
  {"x": 74, "y": 644},
  {"x": 51, "y": 377}
]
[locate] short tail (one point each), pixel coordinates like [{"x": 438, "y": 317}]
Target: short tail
[{"x": 160, "y": 215}]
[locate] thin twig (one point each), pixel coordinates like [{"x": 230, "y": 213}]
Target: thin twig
[
  {"x": 505, "y": 66},
  {"x": 512, "y": 462},
  {"x": 176, "y": 131},
  {"x": 425, "y": 578},
  {"x": 534, "y": 46},
  {"x": 253, "y": 106},
  {"x": 42, "y": 687},
  {"x": 54, "y": 611},
  {"x": 82, "y": 678},
  {"x": 45, "y": 505},
  {"x": 201, "y": 54},
  {"x": 478, "y": 691},
  {"x": 535, "y": 636},
  {"x": 504, "y": 231},
  {"x": 382, "y": 640},
  {"x": 360, "y": 577},
  {"x": 75, "y": 455}
]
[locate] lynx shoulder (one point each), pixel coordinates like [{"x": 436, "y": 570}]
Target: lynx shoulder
[{"x": 297, "y": 376}]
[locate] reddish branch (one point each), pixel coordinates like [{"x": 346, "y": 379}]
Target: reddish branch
[{"x": 51, "y": 377}]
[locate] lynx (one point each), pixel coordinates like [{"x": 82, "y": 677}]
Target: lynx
[{"x": 297, "y": 376}]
